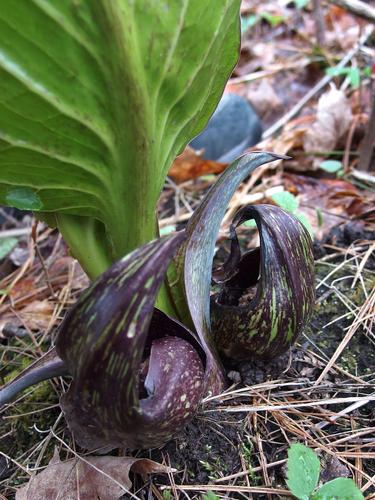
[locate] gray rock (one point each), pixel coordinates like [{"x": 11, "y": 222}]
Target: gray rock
[{"x": 232, "y": 129}]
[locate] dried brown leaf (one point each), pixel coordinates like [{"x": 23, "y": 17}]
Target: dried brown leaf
[
  {"x": 264, "y": 99},
  {"x": 337, "y": 199},
  {"x": 190, "y": 164},
  {"x": 36, "y": 316},
  {"x": 103, "y": 477},
  {"x": 333, "y": 119}
]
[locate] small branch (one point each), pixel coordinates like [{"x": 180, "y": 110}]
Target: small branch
[
  {"x": 320, "y": 25},
  {"x": 363, "y": 176},
  {"x": 367, "y": 148},
  {"x": 357, "y": 7},
  {"x": 22, "y": 231},
  {"x": 318, "y": 87}
]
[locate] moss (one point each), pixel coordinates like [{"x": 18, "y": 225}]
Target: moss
[
  {"x": 359, "y": 357},
  {"x": 18, "y": 435}
]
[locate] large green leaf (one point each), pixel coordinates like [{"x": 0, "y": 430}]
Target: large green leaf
[{"x": 97, "y": 98}]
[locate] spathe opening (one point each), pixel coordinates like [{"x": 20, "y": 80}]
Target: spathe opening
[{"x": 239, "y": 275}]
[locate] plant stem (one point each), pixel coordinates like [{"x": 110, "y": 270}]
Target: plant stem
[{"x": 87, "y": 242}]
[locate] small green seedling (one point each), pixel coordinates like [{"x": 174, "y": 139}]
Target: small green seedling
[
  {"x": 253, "y": 19},
  {"x": 210, "y": 495},
  {"x": 354, "y": 74},
  {"x": 301, "y": 4},
  {"x": 290, "y": 203},
  {"x": 303, "y": 476},
  {"x": 332, "y": 167},
  {"x": 6, "y": 246}
]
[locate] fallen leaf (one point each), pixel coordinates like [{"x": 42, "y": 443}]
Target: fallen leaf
[
  {"x": 342, "y": 27},
  {"x": 63, "y": 266},
  {"x": 289, "y": 139},
  {"x": 328, "y": 203},
  {"x": 333, "y": 119},
  {"x": 103, "y": 477},
  {"x": 25, "y": 286},
  {"x": 35, "y": 315},
  {"x": 264, "y": 99},
  {"x": 190, "y": 164},
  {"x": 19, "y": 255},
  {"x": 332, "y": 468}
]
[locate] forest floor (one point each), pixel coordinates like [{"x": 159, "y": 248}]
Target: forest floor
[{"x": 322, "y": 392}]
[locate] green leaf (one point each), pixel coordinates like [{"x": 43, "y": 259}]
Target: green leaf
[
  {"x": 97, "y": 99},
  {"x": 319, "y": 217},
  {"x": 24, "y": 199},
  {"x": 354, "y": 77},
  {"x": 167, "y": 230},
  {"x": 331, "y": 166},
  {"x": 248, "y": 22},
  {"x": 303, "y": 471},
  {"x": 286, "y": 200},
  {"x": 353, "y": 74},
  {"x": 300, "y": 4},
  {"x": 367, "y": 71},
  {"x": 271, "y": 19},
  {"x": 6, "y": 246},
  {"x": 305, "y": 221},
  {"x": 341, "y": 488},
  {"x": 250, "y": 223},
  {"x": 210, "y": 495},
  {"x": 337, "y": 71}
]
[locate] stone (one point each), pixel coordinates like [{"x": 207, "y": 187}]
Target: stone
[{"x": 233, "y": 128}]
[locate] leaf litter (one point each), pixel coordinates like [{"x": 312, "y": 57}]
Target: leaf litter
[
  {"x": 86, "y": 478},
  {"x": 237, "y": 445}
]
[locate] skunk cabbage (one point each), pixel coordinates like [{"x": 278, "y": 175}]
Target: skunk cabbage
[
  {"x": 97, "y": 99},
  {"x": 281, "y": 270},
  {"x": 138, "y": 374}
]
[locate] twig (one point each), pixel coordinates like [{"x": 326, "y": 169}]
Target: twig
[
  {"x": 319, "y": 23},
  {"x": 9, "y": 233},
  {"x": 291, "y": 406},
  {"x": 363, "y": 176},
  {"x": 367, "y": 147},
  {"x": 319, "y": 86},
  {"x": 345, "y": 411},
  {"x": 249, "y": 471},
  {"x": 274, "y": 69},
  {"x": 239, "y": 489},
  {"x": 357, "y": 7}
]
